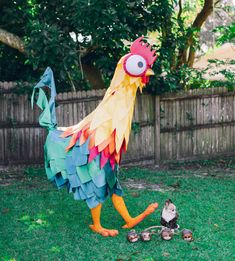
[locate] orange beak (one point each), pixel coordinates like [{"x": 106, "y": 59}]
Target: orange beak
[
  {"x": 145, "y": 78},
  {"x": 149, "y": 72}
]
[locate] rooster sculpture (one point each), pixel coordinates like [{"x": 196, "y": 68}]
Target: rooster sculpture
[{"x": 85, "y": 157}]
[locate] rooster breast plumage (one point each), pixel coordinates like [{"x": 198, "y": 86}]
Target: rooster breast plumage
[{"x": 85, "y": 157}]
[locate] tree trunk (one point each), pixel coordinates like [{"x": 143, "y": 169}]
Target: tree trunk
[
  {"x": 12, "y": 40},
  {"x": 187, "y": 55},
  {"x": 91, "y": 72},
  {"x": 197, "y": 24}
]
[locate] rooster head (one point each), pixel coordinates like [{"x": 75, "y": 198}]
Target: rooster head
[
  {"x": 139, "y": 61},
  {"x": 133, "y": 69}
]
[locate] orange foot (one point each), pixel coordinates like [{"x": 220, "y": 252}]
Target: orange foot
[
  {"x": 134, "y": 221},
  {"x": 103, "y": 231}
]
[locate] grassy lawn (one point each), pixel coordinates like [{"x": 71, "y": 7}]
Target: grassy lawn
[{"x": 39, "y": 222}]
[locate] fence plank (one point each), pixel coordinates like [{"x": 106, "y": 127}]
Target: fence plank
[
  {"x": 157, "y": 135},
  {"x": 186, "y": 125}
]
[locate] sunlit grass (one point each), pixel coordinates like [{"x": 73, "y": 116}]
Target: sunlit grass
[{"x": 39, "y": 222}]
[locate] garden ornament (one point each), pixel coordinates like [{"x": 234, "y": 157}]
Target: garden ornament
[
  {"x": 132, "y": 236},
  {"x": 167, "y": 230},
  {"x": 167, "y": 233},
  {"x": 169, "y": 215},
  {"x": 85, "y": 157},
  {"x": 145, "y": 236},
  {"x": 187, "y": 235}
]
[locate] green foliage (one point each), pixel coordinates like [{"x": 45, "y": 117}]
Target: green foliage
[
  {"x": 226, "y": 34},
  {"x": 173, "y": 74},
  {"x": 135, "y": 127},
  {"x": 7, "y": 258},
  {"x": 33, "y": 223},
  {"x": 228, "y": 73},
  {"x": 47, "y": 26},
  {"x": 69, "y": 33},
  {"x": 184, "y": 78},
  {"x": 98, "y": 26},
  {"x": 13, "y": 19}
]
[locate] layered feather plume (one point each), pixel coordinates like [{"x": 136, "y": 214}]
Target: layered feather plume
[{"x": 108, "y": 126}]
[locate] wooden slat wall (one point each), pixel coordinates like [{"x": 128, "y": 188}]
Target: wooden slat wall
[
  {"x": 188, "y": 125},
  {"x": 198, "y": 125}
]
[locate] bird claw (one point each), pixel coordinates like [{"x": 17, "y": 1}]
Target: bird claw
[
  {"x": 134, "y": 221},
  {"x": 103, "y": 231},
  {"x": 151, "y": 208}
]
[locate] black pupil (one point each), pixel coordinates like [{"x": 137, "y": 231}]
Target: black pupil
[{"x": 140, "y": 64}]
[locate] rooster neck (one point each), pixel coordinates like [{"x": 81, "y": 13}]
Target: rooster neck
[
  {"x": 121, "y": 102},
  {"x": 111, "y": 121},
  {"x": 117, "y": 103},
  {"x": 114, "y": 114}
]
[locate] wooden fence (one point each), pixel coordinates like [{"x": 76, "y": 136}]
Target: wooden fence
[{"x": 184, "y": 126}]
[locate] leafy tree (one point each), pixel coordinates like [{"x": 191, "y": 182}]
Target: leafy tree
[
  {"x": 85, "y": 37},
  {"x": 46, "y": 39}
]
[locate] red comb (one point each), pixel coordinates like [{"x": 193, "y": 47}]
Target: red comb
[{"x": 143, "y": 49}]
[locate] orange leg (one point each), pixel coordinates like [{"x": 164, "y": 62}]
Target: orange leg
[
  {"x": 120, "y": 206},
  {"x": 96, "y": 227}
]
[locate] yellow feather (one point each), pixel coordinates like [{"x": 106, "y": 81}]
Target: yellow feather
[
  {"x": 115, "y": 111},
  {"x": 103, "y": 132},
  {"x": 101, "y": 115}
]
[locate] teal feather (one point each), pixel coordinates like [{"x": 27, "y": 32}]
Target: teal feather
[{"x": 87, "y": 181}]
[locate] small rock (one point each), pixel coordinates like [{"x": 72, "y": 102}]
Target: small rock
[
  {"x": 39, "y": 221},
  {"x": 166, "y": 254}
]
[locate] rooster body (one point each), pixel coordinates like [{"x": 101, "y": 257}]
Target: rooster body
[{"x": 85, "y": 157}]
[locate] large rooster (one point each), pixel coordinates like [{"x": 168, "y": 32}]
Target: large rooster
[{"x": 85, "y": 157}]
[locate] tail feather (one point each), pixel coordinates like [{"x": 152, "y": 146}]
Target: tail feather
[{"x": 47, "y": 118}]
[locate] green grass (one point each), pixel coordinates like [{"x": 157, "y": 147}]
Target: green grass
[{"x": 39, "y": 222}]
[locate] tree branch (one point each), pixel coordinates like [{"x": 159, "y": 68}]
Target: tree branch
[
  {"x": 12, "y": 40},
  {"x": 197, "y": 24},
  {"x": 202, "y": 16},
  {"x": 217, "y": 2},
  {"x": 93, "y": 74},
  {"x": 180, "y": 9}
]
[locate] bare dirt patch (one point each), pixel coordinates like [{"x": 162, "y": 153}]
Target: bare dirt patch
[
  {"x": 12, "y": 174},
  {"x": 143, "y": 185}
]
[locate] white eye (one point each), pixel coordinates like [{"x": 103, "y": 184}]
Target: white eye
[{"x": 135, "y": 65}]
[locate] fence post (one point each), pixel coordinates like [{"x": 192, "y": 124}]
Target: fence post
[{"x": 157, "y": 144}]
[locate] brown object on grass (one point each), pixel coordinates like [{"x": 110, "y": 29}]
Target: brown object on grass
[
  {"x": 132, "y": 236},
  {"x": 166, "y": 234},
  {"x": 145, "y": 236},
  {"x": 187, "y": 235}
]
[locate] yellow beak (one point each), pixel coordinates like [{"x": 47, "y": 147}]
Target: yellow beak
[{"x": 149, "y": 72}]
